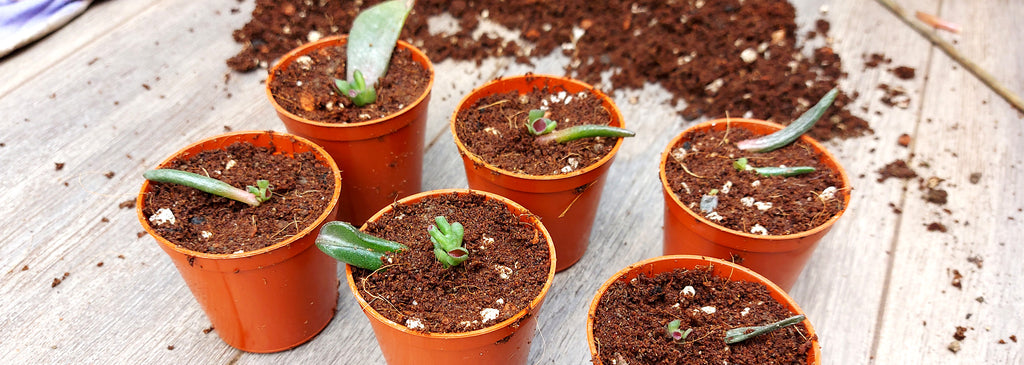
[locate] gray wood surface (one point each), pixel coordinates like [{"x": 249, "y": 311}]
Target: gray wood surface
[{"x": 878, "y": 289}]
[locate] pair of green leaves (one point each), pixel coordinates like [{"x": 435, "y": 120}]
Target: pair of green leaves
[
  {"x": 371, "y": 41},
  {"x": 539, "y": 125},
  {"x": 673, "y": 331},
  {"x": 253, "y": 195},
  {"x": 346, "y": 243}
]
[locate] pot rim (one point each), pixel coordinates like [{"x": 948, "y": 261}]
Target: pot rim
[
  {"x": 233, "y": 137},
  {"x": 519, "y": 316},
  {"x": 340, "y": 40},
  {"x": 818, "y": 147},
  {"x": 776, "y": 292},
  {"x": 530, "y": 78}
]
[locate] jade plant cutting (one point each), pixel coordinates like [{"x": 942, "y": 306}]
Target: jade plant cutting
[
  {"x": 538, "y": 124},
  {"x": 735, "y": 335},
  {"x": 346, "y": 243},
  {"x": 783, "y": 138},
  {"x": 253, "y": 195},
  {"x": 371, "y": 41}
]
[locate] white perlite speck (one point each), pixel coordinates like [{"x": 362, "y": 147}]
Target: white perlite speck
[
  {"x": 758, "y": 229},
  {"x": 503, "y": 271},
  {"x": 725, "y": 188},
  {"x": 493, "y": 131},
  {"x": 756, "y": 183},
  {"x": 162, "y": 215},
  {"x": 229, "y": 165},
  {"x": 708, "y": 309},
  {"x": 206, "y": 234},
  {"x": 746, "y": 310},
  {"x": 715, "y": 216},
  {"x": 489, "y": 314},
  {"x": 688, "y": 291},
  {"x": 829, "y": 193},
  {"x": 749, "y": 55},
  {"x": 763, "y": 206},
  {"x": 747, "y": 201},
  {"x": 414, "y": 323}
]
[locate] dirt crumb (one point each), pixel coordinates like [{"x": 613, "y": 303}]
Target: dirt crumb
[
  {"x": 58, "y": 166},
  {"x": 903, "y": 72},
  {"x": 959, "y": 334},
  {"x": 936, "y": 196},
  {"x": 57, "y": 281},
  {"x": 127, "y": 204},
  {"x": 975, "y": 177},
  {"x": 896, "y": 169},
  {"x": 903, "y": 140},
  {"x": 957, "y": 279},
  {"x": 936, "y": 227},
  {"x": 976, "y": 260}
]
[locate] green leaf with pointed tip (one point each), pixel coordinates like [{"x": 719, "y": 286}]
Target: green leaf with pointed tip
[
  {"x": 346, "y": 243},
  {"x": 372, "y": 39}
]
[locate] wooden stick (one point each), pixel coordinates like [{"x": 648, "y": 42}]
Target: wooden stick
[{"x": 981, "y": 74}]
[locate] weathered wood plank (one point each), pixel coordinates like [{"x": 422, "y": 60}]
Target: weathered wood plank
[{"x": 963, "y": 128}]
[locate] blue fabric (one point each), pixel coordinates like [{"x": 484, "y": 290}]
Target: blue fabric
[{"x": 22, "y": 21}]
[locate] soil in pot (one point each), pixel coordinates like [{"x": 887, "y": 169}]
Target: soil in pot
[
  {"x": 306, "y": 87},
  {"x": 748, "y": 202},
  {"x": 631, "y": 317},
  {"x": 495, "y": 130},
  {"x": 302, "y": 189},
  {"x": 507, "y": 267}
]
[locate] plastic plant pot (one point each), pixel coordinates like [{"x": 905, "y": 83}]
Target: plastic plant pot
[
  {"x": 506, "y": 342},
  {"x": 266, "y": 300},
  {"x": 780, "y": 258},
  {"x": 567, "y": 203},
  {"x": 720, "y": 268},
  {"x": 381, "y": 159}
]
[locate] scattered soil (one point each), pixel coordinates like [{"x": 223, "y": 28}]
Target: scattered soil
[
  {"x": 903, "y": 140},
  {"x": 894, "y": 96},
  {"x": 897, "y": 169},
  {"x": 875, "y": 59},
  {"x": 936, "y": 196},
  {"x": 127, "y": 204},
  {"x": 57, "y": 281},
  {"x": 936, "y": 227},
  {"x": 721, "y": 57},
  {"x": 301, "y": 186},
  {"x": 631, "y": 317},
  {"x": 959, "y": 335},
  {"x": 306, "y": 87},
  {"x": 747, "y": 200},
  {"x": 903, "y": 72},
  {"x": 957, "y": 279},
  {"x": 415, "y": 290},
  {"x": 495, "y": 130}
]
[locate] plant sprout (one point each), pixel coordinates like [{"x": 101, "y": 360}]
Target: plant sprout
[
  {"x": 538, "y": 124},
  {"x": 793, "y": 131},
  {"x": 742, "y": 165},
  {"x": 254, "y": 196},
  {"x": 447, "y": 239},
  {"x": 342, "y": 241},
  {"x": 371, "y": 41},
  {"x": 745, "y": 333},
  {"x": 677, "y": 335}
]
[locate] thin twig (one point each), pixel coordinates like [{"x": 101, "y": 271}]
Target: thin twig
[{"x": 980, "y": 73}]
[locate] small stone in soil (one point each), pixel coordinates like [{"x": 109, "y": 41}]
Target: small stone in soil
[{"x": 954, "y": 346}]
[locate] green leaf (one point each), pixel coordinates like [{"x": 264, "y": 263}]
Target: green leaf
[
  {"x": 203, "y": 183},
  {"x": 585, "y": 131},
  {"x": 745, "y": 333},
  {"x": 346, "y": 243},
  {"x": 447, "y": 239},
  {"x": 372, "y": 39},
  {"x": 794, "y": 130}
]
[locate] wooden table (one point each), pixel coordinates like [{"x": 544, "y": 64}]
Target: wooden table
[{"x": 130, "y": 82}]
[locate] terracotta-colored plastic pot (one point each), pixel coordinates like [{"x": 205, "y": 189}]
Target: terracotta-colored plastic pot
[
  {"x": 567, "y": 203},
  {"x": 267, "y": 300},
  {"x": 506, "y": 342},
  {"x": 720, "y": 268},
  {"x": 780, "y": 258},
  {"x": 381, "y": 159}
]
